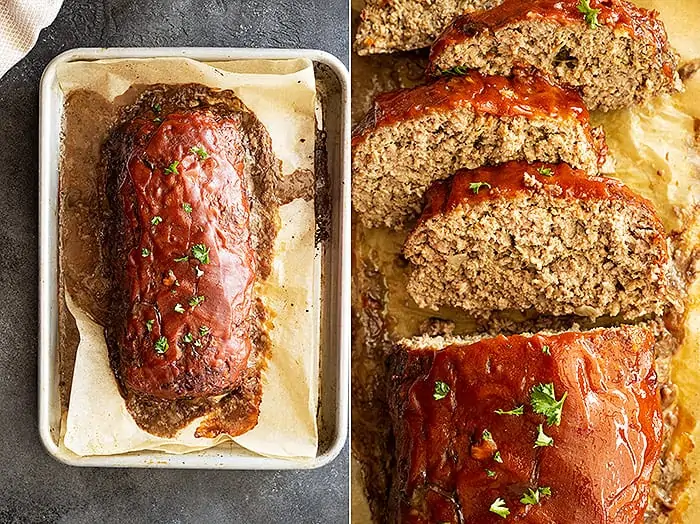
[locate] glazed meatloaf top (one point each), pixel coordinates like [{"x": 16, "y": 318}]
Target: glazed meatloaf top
[
  {"x": 182, "y": 241},
  {"x": 542, "y": 428}
]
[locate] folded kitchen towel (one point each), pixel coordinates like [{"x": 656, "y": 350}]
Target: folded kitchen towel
[{"x": 20, "y": 23}]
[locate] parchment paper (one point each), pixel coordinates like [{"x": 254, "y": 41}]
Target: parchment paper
[{"x": 282, "y": 95}]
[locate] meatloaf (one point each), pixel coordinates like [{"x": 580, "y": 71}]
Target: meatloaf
[
  {"x": 186, "y": 175},
  {"x": 413, "y": 137},
  {"x": 539, "y": 237},
  {"x": 553, "y": 427},
  {"x": 615, "y": 53},
  {"x": 401, "y": 25}
]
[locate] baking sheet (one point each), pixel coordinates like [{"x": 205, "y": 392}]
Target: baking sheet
[{"x": 282, "y": 94}]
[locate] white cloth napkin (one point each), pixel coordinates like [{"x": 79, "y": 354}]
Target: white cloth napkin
[{"x": 20, "y": 23}]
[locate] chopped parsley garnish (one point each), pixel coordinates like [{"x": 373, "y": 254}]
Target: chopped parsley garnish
[
  {"x": 157, "y": 120},
  {"x": 156, "y": 220},
  {"x": 145, "y": 252},
  {"x": 517, "y": 411},
  {"x": 455, "y": 71},
  {"x": 203, "y": 331},
  {"x": 486, "y": 435},
  {"x": 543, "y": 440},
  {"x": 490, "y": 473},
  {"x": 179, "y": 309},
  {"x": 545, "y": 171},
  {"x": 441, "y": 390},
  {"x": 156, "y": 108},
  {"x": 200, "y": 152},
  {"x": 546, "y": 351},
  {"x": 499, "y": 508},
  {"x": 195, "y": 301},
  {"x": 533, "y": 496},
  {"x": 590, "y": 15},
  {"x": 198, "y": 272},
  {"x": 497, "y": 457},
  {"x": 187, "y": 207},
  {"x": 544, "y": 402},
  {"x": 172, "y": 168},
  {"x": 188, "y": 338},
  {"x": 201, "y": 253},
  {"x": 475, "y": 186},
  {"x": 149, "y": 325},
  {"x": 161, "y": 345},
  {"x": 182, "y": 259}
]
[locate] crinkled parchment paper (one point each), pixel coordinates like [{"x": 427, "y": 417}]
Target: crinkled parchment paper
[{"x": 282, "y": 95}]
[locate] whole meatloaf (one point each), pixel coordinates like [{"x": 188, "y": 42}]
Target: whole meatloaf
[
  {"x": 413, "y": 137},
  {"x": 539, "y": 237},
  {"x": 190, "y": 227},
  {"x": 614, "y": 52},
  {"x": 553, "y": 427},
  {"x": 401, "y": 25}
]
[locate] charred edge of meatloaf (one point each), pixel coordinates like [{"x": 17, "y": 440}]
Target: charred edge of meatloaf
[
  {"x": 495, "y": 257},
  {"x": 394, "y": 166},
  {"x": 626, "y": 70},
  {"x": 164, "y": 417},
  {"x": 405, "y": 25}
]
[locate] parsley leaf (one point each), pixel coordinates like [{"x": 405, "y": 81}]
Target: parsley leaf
[
  {"x": 590, "y": 15},
  {"x": 156, "y": 108},
  {"x": 172, "y": 168},
  {"x": 187, "y": 207},
  {"x": 497, "y": 457},
  {"x": 156, "y": 220},
  {"x": 486, "y": 435},
  {"x": 161, "y": 345},
  {"x": 200, "y": 152},
  {"x": 201, "y": 253},
  {"x": 149, "y": 325},
  {"x": 517, "y": 411},
  {"x": 203, "y": 331},
  {"x": 187, "y": 338},
  {"x": 531, "y": 497},
  {"x": 475, "y": 186},
  {"x": 455, "y": 71},
  {"x": 182, "y": 259},
  {"x": 544, "y": 402},
  {"x": 545, "y": 171},
  {"x": 490, "y": 473},
  {"x": 195, "y": 301},
  {"x": 441, "y": 390},
  {"x": 179, "y": 309},
  {"x": 543, "y": 440},
  {"x": 499, "y": 508},
  {"x": 145, "y": 252},
  {"x": 545, "y": 350}
]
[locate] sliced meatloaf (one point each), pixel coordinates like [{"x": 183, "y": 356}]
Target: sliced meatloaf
[
  {"x": 401, "y": 25},
  {"x": 615, "y": 53},
  {"x": 553, "y": 427},
  {"x": 413, "y": 137},
  {"x": 539, "y": 237}
]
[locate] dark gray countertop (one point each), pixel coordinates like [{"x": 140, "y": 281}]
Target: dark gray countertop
[{"x": 33, "y": 486}]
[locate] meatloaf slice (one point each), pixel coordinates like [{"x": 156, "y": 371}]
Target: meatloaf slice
[
  {"x": 615, "y": 53},
  {"x": 402, "y": 25},
  {"x": 413, "y": 137},
  {"x": 539, "y": 237},
  {"x": 186, "y": 172},
  {"x": 553, "y": 427}
]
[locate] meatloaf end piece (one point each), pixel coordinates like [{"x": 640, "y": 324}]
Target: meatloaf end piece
[
  {"x": 182, "y": 241},
  {"x": 413, "y": 137},
  {"x": 616, "y": 54},
  {"x": 553, "y": 427},
  {"x": 539, "y": 237},
  {"x": 402, "y": 25}
]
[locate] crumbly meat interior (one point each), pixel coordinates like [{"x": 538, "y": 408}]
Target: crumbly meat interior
[
  {"x": 395, "y": 164},
  {"x": 610, "y": 68},
  {"x": 536, "y": 252},
  {"x": 403, "y": 25}
]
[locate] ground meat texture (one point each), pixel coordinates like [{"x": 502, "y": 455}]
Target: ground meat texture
[
  {"x": 401, "y": 25},
  {"x": 624, "y": 60},
  {"x": 413, "y": 137},
  {"x": 539, "y": 237},
  {"x": 456, "y": 456},
  {"x": 182, "y": 251}
]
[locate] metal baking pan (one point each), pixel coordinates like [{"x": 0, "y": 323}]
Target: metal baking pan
[{"x": 333, "y": 410}]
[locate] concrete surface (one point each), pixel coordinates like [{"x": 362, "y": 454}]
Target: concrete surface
[{"x": 34, "y": 487}]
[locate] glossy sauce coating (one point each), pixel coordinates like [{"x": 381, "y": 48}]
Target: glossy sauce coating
[
  {"x": 526, "y": 95},
  {"x": 604, "y": 450},
  {"x": 202, "y": 308},
  {"x": 640, "y": 23},
  {"x": 509, "y": 179}
]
